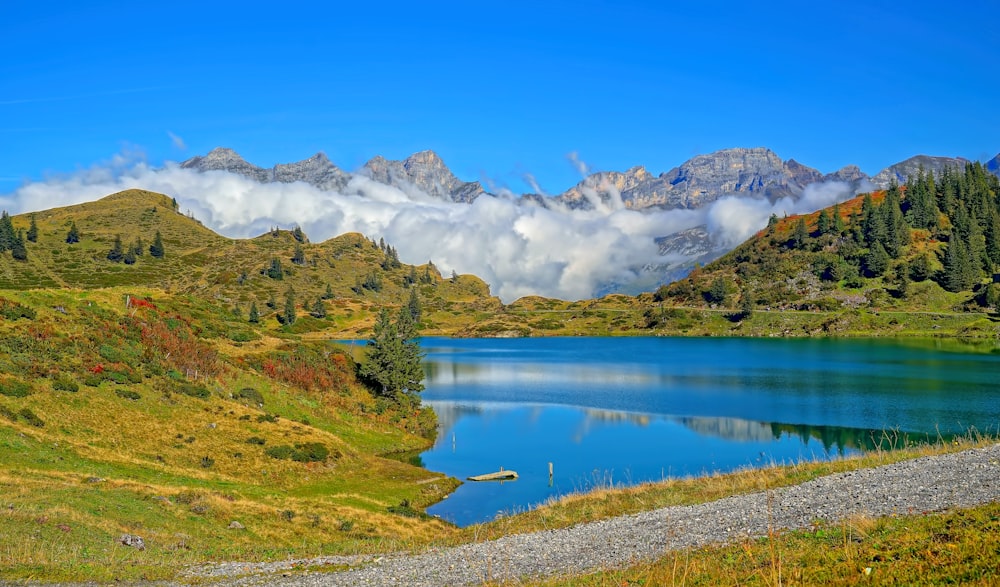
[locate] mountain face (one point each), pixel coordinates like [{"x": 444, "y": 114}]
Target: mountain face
[
  {"x": 426, "y": 171},
  {"x": 701, "y": 180},
  {"x": 317, "y": 170},
  {"x": 909, "y": 168}
]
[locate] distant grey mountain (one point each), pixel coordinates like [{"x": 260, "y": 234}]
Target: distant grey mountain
[
  {"x": 317, "y": 170},
  {"x": 756, "y": 172},
  {"x": 910, "y": 167},
  {"x": 993, "y": 165},
  {"x": 426, "y": 171}
]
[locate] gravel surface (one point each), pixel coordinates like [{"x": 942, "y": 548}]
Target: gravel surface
[{"x": 926, "y": 484}]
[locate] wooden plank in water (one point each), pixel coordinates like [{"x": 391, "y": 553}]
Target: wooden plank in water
[{"x": 497, "y": 476}]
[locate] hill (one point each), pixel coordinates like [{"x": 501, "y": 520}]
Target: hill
[{"x": 924, "y": 255}]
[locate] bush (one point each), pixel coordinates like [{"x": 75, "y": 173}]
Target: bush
[
  {"x": 267, "y": 418},
  {"x": 127, "y": 394},
  {"x": 310, "y": 452},
  {"x": 64, "y": 383},
  {"x": 281, "y": 452},
  {"x": 256, "y": 440},
  {"x": 207, "y": 462},
  {"x": 251, "y": 394},
  {"x": 12, "y": 310},
  {"x": 193, "y": 390},
  {"x": 31, "y": 418},
  {"x": 14, "y": 388},
  {"x": 8, "y": 413}
]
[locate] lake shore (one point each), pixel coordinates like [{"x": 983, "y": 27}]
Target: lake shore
[{"x": 918, "y": 486}]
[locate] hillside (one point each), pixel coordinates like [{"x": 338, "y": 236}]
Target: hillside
[
  {"x": 138, "y": 399},
  {"x": 924, "y": 255}
]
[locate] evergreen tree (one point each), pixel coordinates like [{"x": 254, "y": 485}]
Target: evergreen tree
[
  {"x": 129, "y": 256},
  {"x": 895, "y": 231},
  {"x": 772, "y": 221},
  {"x": 7, "y": 234},
  {"x": 823, "y": 222},
  {"x": 876, "y": 261},
  {"x": 958, "y": 272},
  {"x": 298, "y": 235},
  {"x": 272, "y": 302},
  {"x": 298, "y": 257},
  {"x": 746, "y": 304},
  {"x": 275, "y": 271},
  {"x": 138, "y": 247},
  {"x": 288, "y": 316},
  {"x": 17, "y": 249},
  {"x": 838, "y": 220},
  {"x": 413, "y": 306},
  {"x": 318, "y": 309},
  {"x": 454, "y": 276},
  {"x": 328, "y": 295},
  {"x": 393, "y": 364},
  {"x": 411, "y": 278},
  {"x": 254, "y": 313},
  {"x": 156, "y": 249},
  {"x": 920, "y": 268},
  {"x": 116, "y": 254},
  {"x": 73, "y": 236},
  {"x": 800, "y": 234},
  {"x": 33, "y": 230}
]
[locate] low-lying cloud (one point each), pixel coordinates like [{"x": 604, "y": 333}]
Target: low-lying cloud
[{"x": 518, "y": 247}]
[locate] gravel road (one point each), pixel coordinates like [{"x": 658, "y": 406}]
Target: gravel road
[{"x": 926, "y": 484}]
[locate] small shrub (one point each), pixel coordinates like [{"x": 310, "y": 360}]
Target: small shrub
[
  {"x": 256, "y": 440},
  {"x": 345, "y": 525},
  {"x": 14, "y": 388},
  {"x": 93, "y": 380},
  {"x": 193, "y": 390},
  {"x": 207, "y": 462},
  {"x": 267, "y": 418},
  {"x": 245, "y": 417},
  {"x": 287, "y": 515},
  {"x": 310, "y": 452},
  {"x": 251, "y": 394},
  {"x": 65, "y": 383},
  {"x": 8, "y": 413},
  {"x": 281, "y": 452},
  {"x": 31, "y": 418},
  {"x": 127, "y": 394},
  {"x": 12, "y": 310}
]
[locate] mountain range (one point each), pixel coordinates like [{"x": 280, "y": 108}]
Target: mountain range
[{"x": 755, "y": 173}]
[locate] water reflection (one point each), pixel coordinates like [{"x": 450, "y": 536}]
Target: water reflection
[{"x": 634, "y": 410}]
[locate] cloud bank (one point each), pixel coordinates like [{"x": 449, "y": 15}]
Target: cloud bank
[{"x": 517, "y": 247}]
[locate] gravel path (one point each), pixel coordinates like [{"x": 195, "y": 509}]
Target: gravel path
[{"x": 926, "y": 484}]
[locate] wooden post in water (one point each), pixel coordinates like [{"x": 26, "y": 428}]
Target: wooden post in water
[{"x": 550, "y": 473}]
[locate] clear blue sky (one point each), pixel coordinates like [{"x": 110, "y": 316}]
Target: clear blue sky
[{"x": 498, "y": 89}]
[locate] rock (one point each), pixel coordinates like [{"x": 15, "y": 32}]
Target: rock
[
  {"x": 900, "y": 171},
  {"x": 427, "y": 172},
  {"x": 316, "y": 170},
  {"x": 132, "y": 540},
  {"x": 234, "y": 525}
]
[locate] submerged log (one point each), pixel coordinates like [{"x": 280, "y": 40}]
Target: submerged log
[{"x": 500, "y": 475}]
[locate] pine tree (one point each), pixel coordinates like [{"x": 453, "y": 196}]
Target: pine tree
[
  {"x": 318, "y": 309},
  {"x": 413, "y": 306},
  {"x": 957, "y": 274},
  {"x": 838, "y": 220},
  {"x": 823, "y": 222},
  {"x": 272, "y": 302},
  {"x": 116, "y": 254},
  {"x": 138, "y": 247},
  {"x": 393, "y": 365},
  {"x": 73, "y": 236},
  {"x": 288, "y": 316},
  {"x": 129, "y": 257},
  {"x": 876, "y": 261},
  {"x": 298, "y": 257},
  {"x": 298, "y": 235},
  {"x": 33, "y": 230},
  {"x": 17, "y": 249},
  {"x": 328, "y": 295},
  {"x": 7, "y": 234},
  {"x": 801, "y": 234},
  {"x": 156, "y": 249},
  {"x": 275, "y": 271},
  {"x": 254, "y": 317}
]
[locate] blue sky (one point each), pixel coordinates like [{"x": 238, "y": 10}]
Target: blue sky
[{"x": 498, "y": 89}]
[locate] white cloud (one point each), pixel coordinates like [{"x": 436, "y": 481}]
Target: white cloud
[
  {"x": 177, "y": 141},
  {"x": 519, "y": 249}
]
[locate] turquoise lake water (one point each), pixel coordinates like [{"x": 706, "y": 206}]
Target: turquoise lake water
[{"x": 609, "y": 411}]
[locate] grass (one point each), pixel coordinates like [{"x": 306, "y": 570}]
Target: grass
[{"x": 960, "y": 547}]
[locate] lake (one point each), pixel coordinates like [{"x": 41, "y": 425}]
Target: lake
[{"x": 609, "y": 411}]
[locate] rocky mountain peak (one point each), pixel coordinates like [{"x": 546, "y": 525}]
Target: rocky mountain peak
[
  {"x": 910, "y": 167},
  {"x": 426, "y": 171}
]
